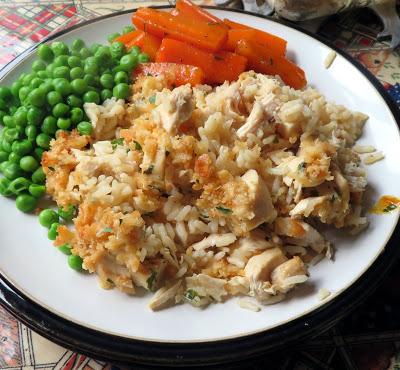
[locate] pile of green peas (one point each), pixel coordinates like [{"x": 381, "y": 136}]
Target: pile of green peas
[{"x": 50, "y": 99}]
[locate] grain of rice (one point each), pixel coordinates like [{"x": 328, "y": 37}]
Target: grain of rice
[
  {"x": 362, "y": 149},
  {"x": 247, "y": 304},
  {"x": 329, "y": 59},
  {"x": 323, "y": 294}
]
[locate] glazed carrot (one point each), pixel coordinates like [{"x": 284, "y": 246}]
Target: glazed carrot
[
  {"x": 217, "y": 67},
  {"x": 198, "y": 33},
  {"x": 176, "y": 74},
  {"x": 149, "y": 44},
  {"x": 127, "y": 37},
  {"x": 235, "y": 35},
  {"x": 188, "y": 9},
  {"x": 277, "y": 44},
  {"x": 261, "y": 60}
]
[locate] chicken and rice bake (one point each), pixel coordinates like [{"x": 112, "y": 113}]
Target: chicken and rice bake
[{"x": 199, "y": 194}]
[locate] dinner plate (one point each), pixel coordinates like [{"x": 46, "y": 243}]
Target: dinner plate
[{"x": 41, "y": 290}]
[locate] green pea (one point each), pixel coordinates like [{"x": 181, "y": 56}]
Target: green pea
[
  {"x": 106, "y": 94},
  {"x": 121, "y": 91},
  {"x": 48, "y": 217},
  {"x": 45, "y": 53},
  {"x": 117, "y": 50},
  {"x": 12, "y": 171},
  {"x": 42, "y": 74},
  {"x": 31, "y": 132},
  {"x": 22, "y": 147},
  {"x": 49, "y": 125},
  {"x": 91, "y": 97},
  {"x": 19, "y": 185},
  {"x": 128, "y": 62},
  {"x": 46, "y": 87},
  {"x": 50, "y": 69},
  {"x": 8, "y": 121},
  {"x": 76, "y": 115},
  {"x": 76, "y": 72},
  {"x": 94, "y": 47},
  {"x": 43, "y": 141},
  {"x": 62, "y": 86},
  {"x": 91, "y": 69},
  {"x": 67, "y": 213},
  {"x": 113, "y": 36},
  {"x": 90, "y": 80},
  {"x": 85, "y": 53},
  {"x": 10, "y": 134},
  {"x": 23, "y": 93},
  {"x": 26, "y": 203},
  {"x": 39, "y": 177},
  {"x": 64, "y": 123},
  {"x": 37, "y": 190},
  {"x": 53, "y": 98},
  {"x": 34, "y": 116},
  {"x": 28, "y": 78},
  {"x": 16, "y": 85},
  {"x": 37, "y": 97},
  {"x": 143, "y": 58},
  {"x": 85, "y": 128},
  {"x": 102, "y": 56},
  {"x": 106, "y": 80},
  {"x": 53, "y": 233},
  {"x": 77, "y": 44},
  {"x": 20, "y": 117},
  {"x": 28, "y": 163},
  {"x": 75, "y": 262},
  {"x": 61, "y": 72},
  {"x": 5, "y": 93},
  {"x": 3, "y": 166},
  {"x": 61, "y": 61},
  {"x": 5, "y": 146},
  {"x": 60, "y": 110},
  {"x": 36, "y": 82},
  {"x": 74, "y": 101},
  {"x": 74, "y": 61},
  {"x": 79, "y": 86},
  {"x": 4, "y": 187},
  {"x": 3, "y": 156},
  {"x": 66, "y": 249},
  {"x": 135, "y": 50},
  {"x": 37, "y": 153},
  {"x": 59, "y": 48},
  {"x": 14, "y": 158}
]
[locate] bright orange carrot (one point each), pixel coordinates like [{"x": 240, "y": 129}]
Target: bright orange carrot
[
  {"x": 127, "y": 37},
  {"x": 275, "y": 43},
  {"x": 188, "y": 9},
  {"x": 176, "y": 74},
  {"x": 261, "y": 60},
  {"x": 235, "y": 35},
  {"x": 149, "y": 44},
  {"x": 217, "y": 67},
  {"x": 198, "y": 33}
]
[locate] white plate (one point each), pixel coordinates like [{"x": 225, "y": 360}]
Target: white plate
[{"x": 35, "y": 268}]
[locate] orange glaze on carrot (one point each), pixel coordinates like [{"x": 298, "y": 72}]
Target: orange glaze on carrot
[{"x": 385, "y": 204}]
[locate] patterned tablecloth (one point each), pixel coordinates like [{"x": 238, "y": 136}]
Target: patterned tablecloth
[{"x": 367, "y": 339}]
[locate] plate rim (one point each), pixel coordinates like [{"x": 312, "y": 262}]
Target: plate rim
[{"x": 113, "y": 347}]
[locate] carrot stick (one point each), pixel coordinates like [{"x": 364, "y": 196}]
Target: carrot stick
[
  {"x": 127, "y": 37},
  {"x": 276, "y": 43},
  {"x": 188, "y": 9},
  {"x": 176, "y": 74},
  {"x": 235, "y": 35},
  {"x": 217, "y": 67},
  {"x": 262, "y": 60},
  {"x": 148, "y": 44},
  {"x": 161, "y": 24}
]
